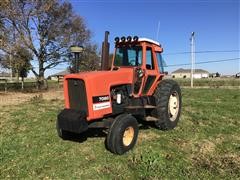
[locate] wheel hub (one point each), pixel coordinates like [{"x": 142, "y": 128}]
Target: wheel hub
[
  {"x": 173, "y": 106},
  {"x": 128, "y": 136}
]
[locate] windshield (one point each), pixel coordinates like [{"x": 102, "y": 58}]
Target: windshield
[{"x": 128, "y": 56}]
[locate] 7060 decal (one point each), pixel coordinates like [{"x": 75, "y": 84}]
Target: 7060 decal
[
  {"x": 98, "y": 99},
  {"x": 101, "y": 102}
]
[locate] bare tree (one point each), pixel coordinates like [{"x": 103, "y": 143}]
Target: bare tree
[{"x": 45, "y": 27}]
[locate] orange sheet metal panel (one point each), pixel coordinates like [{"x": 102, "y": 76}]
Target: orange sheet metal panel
[{"x": 98, "y": 83}]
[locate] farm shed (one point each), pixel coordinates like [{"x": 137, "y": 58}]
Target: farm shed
[
  {"x": 4, "y": 75},
  {"x": 186, "y": 73},
  {"x": 59, "y": 76}
]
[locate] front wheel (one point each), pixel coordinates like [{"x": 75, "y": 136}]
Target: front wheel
[
  {"x": 122, "y": 134},
  {"x": 169, "y": 103}
]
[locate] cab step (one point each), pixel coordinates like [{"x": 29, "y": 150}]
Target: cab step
[
  {"x": 150, "y": 118},
  {"x": 141, "y": 107}
]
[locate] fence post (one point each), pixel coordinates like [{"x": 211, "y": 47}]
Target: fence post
[
  {"x": 22, "y": 85},
  {"x": 5, "y": 85}
]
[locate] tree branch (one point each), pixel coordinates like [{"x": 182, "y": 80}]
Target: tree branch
[
  {"x": 54, "y": 64},
  {"x": 34, "y": 72}
]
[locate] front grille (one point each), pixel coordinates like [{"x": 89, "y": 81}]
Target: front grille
[{"x": 77, "y": 95}]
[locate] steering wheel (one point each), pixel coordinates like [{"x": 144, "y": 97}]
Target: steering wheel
[{"x": 132, "y": 62}]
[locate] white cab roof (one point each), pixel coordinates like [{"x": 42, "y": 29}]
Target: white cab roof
[{"x": 149, "y": 40}]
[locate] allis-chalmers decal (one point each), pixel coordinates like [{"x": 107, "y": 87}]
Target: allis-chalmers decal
[{"x": 101, "y": 102}]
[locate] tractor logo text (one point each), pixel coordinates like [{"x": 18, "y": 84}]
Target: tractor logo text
[{"x": 98, "y": 99}]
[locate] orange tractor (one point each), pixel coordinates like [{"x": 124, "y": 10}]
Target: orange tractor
[{"x": 120, "y": 96}]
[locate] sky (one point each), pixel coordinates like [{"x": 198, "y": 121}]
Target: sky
[{"x": 216, "y": 25}]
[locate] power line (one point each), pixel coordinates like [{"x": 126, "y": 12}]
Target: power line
[
  {"x": 201, "y": 52},
  {"x": 203, "y": 62}
]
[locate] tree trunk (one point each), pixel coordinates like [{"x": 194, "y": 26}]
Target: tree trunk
[
  {"x": 22, "y": 83},
  {"x": 17, "y": 75},
  {"x": 41, "y": 84}
]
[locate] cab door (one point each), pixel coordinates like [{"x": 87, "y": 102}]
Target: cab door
[{"x": 151, "y": 75}]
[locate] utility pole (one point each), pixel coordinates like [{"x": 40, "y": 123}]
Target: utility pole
[
  {"x": 158, "y": 28},
  {"x": 192, "y": 39}
]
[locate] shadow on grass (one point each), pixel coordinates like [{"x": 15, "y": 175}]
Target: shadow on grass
[
  {"x": 144, "y": 125},
  {"x": 99, "y": 133},
  {"x": 90, "y": 133}
]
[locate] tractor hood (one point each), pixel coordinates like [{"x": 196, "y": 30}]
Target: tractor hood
[
  {"x": 81, "y": 89},
  {"x": 123, "y": 75},
  {"x": 100, "y": 82}
]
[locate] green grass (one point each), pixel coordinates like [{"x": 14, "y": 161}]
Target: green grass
[{"x": 205, "y": 144}]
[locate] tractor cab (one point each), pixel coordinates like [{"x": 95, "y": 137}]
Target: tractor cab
[
  {"x": 144, "y": 56},
  {"x": 138, "y": 52}
]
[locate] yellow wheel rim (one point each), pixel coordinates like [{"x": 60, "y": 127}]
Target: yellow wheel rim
[
  {"x": 128, "y": 136},
  {"x": 173, "y": 106}
]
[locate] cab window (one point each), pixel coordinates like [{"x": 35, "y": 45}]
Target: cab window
[
  {"x": 149, "y": 59},
  {"x": 128, "y": 56},
  {"x": 161, "y": 62}
]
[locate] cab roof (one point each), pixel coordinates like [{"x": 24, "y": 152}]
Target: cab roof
[{"x": 148, "y": 40}]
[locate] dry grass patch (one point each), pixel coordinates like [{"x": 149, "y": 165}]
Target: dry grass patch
[{"x": 15, "y": 98}]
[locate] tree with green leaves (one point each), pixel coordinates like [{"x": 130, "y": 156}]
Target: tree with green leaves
[
  {"x": 89, "y": 59},
  {"x": 46, "y": 28},
  {"x": 18, "y": 62}
]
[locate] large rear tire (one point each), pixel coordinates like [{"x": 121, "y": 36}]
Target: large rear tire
[
  {"x": 169, "y": 103},
  {"x": 122, "y": 134}
]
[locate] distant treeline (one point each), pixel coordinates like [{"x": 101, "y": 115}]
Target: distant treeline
[{"x": 209, "y": 82}]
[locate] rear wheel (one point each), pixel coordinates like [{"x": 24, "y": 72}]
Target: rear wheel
[
  {"x": 169, "y": 102},
  {"x": 122, "y": 134}
]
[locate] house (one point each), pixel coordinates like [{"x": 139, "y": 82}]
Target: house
[
  {"x": 59, "y": 76},
  {"x": 237, "y": 75},
  {"x": 186, "y": 73},
  {"x": 4, "y": 75}
]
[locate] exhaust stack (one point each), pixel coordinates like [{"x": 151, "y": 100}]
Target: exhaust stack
[{"x": 105, "y": 53}]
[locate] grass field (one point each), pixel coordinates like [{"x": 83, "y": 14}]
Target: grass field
[
  {"x": 206, "y": 144},
  {"x": 211, "y": 82}
]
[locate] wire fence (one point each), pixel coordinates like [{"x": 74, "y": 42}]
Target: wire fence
[
  {"x": 205, "y": 62},
  {"x": 8, "y": 86}
]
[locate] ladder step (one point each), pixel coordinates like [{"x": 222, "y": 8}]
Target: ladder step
[
  {"x": 141, "y": 107},
  {"x": 150, "y": 118}
]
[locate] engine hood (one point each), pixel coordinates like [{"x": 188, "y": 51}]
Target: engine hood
[
  {"x": 123, "y": 75},
  {"x": 98, "y": 84}
]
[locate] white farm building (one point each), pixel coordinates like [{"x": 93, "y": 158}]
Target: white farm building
[{"x": 186, "y": 73}]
